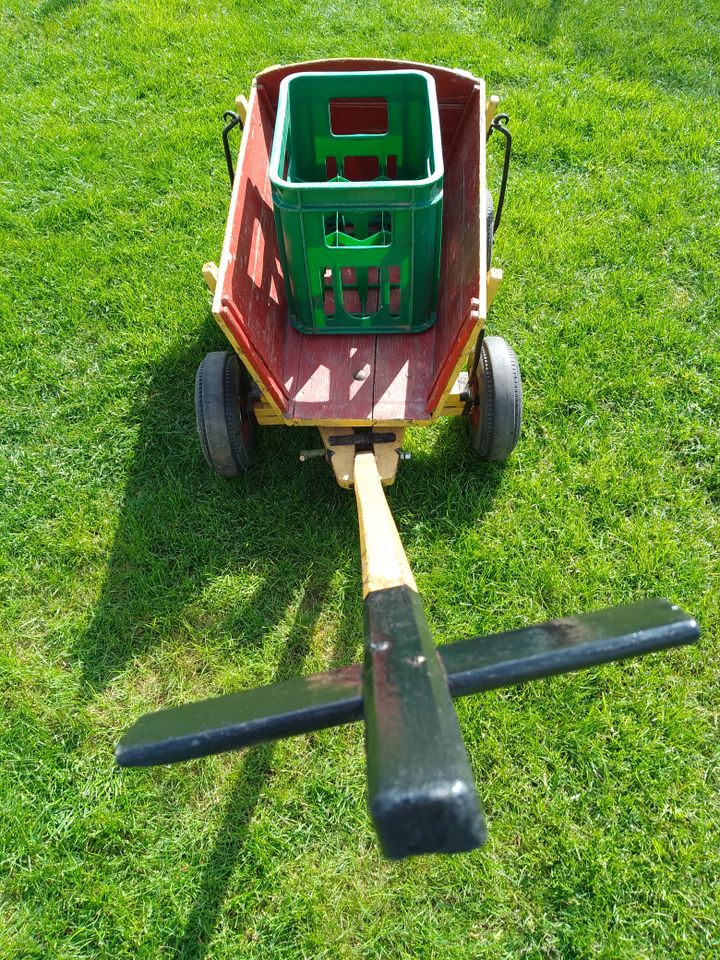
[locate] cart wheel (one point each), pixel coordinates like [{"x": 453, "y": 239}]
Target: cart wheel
[
  {"x": 493, "y": 420},
  {"x": 225, "y": 424},
  {"x": 489, "y": 226}
]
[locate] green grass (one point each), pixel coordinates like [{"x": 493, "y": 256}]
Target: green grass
[{"x": 132, "y": 578}]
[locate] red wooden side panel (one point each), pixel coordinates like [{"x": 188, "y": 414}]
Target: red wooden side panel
[
  {"x": 460, "y": 258},
  {"x": 253, "y": 301},
  {"x": 403, "y": 374}
]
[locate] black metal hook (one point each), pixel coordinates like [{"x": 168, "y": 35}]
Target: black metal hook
[
  {"x": 233, "y": 120},
  {"x": 499, "y": 123}
]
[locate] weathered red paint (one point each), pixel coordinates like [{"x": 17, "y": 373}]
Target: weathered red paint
[{"x": 312, "y": 377}]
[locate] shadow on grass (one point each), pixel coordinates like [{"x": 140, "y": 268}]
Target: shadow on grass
[
  {"x": 288, "y": 526},
  {"x": 49, "y": 7},
  {"x": 181, "y": 528},
  {"x": 194, "y": 942},
  {"x": 291, "y": 527}
]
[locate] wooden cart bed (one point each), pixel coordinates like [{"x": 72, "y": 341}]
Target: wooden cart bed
[{"x": 311, "y": 379}]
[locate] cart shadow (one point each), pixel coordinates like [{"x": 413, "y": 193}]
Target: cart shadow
[
  {"x": 288, "y": 526},
  {"x": 181, "y": 528}
]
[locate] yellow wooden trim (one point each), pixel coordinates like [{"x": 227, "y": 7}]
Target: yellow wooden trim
[
  {"x": 241, "y": 107},
  {"x": 266, "y": 416},
  {"x": 342, "y": 459},
  {"x": 384, "y": 563},
  {"x": 452, "y": 410},
  {"x": 328, "y": 422},
  {"x": 210, "y": 275},
  {"x": 494, "y": 279},
  {"x": 490, "y": 110},
  {"x": 484, "y": 259},
  {"x": 334, "y": 422}
]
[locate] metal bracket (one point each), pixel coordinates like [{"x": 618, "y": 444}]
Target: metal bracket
[
  {"x": 499, "y": 123},
  {"x": 364, "y": 439},
  {"x": 233, "y": 120}
]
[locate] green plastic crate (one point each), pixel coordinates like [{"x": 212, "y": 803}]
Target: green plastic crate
[{"x": 357, "y": 177}]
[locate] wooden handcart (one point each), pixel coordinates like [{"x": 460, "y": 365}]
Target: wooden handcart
[{"x": 362, "y": 390}]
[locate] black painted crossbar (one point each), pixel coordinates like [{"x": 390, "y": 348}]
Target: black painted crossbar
[{"x": 329, "y": 699}]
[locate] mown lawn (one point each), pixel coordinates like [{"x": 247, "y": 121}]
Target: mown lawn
[{"x": 132, "y": 578}]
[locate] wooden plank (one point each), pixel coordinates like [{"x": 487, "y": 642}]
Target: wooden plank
[
  {"x": 454, "y": 256},
  {"x": 384, "y": 563},
  {"x": 291, "y": 362},
  {"x": 467, "y": 253},
  {"x": 404, "y": 373},
  {"x": 328, "y": 383},
  {"x": 322, "y": 700},
  {"x": 258, "y": 283},
  {"x": 367, "y": 422},
  {"x": 230, "y": 323},
  {"x": 249, "y": 302}
]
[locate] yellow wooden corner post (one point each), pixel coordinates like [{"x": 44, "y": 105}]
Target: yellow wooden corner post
[
  {"x": 494, "y": 279},
  {"x": 490, "y": 110},
  {"x": 210, "y": 275},
  {"x": 241, "y": 107},
  {"x": 384, "y": 563}
]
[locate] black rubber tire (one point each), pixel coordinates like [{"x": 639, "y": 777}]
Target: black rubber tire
[
  {"x": 494, "y": 418},
  {"x": 489, "y": 226},
  {"x": 225, "y": 424}
]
